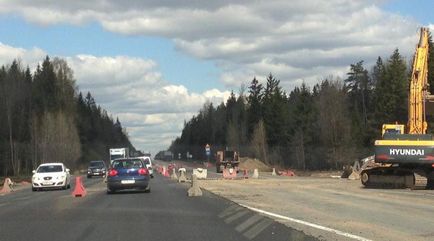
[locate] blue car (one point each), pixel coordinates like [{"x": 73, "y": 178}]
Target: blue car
[{"x": 128, "y": 174}]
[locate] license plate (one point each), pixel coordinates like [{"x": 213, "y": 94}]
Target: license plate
[
  {"x": 128, "y": 181},
  {"x": 48, "y": 183}
]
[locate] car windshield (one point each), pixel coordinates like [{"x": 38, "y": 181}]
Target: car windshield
[
  {"x": 50, "y": 168},
  {"x": 146, "y": 161},
  {"x": 128, "y": 163},
  {"x": 112, "y": 157},
  {"x": 97, "y": 164}
]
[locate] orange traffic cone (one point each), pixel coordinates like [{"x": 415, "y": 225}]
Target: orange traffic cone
[
  {"x": 6, "y": 186},
  {"x": 79, "y": 190},
  {"x": 246, "y": 174},
  {"x": 165, "y": 172}
]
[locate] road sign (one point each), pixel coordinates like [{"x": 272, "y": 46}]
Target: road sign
[{"x": 208, "y": 149}]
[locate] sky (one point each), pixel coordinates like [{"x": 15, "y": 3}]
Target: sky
[{"x": 155, "y": 63}]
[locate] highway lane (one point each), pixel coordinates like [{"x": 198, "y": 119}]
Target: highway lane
[{"x": 164, "y": 214}]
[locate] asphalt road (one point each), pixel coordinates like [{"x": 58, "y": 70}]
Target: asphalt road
[{"x": 164, "y": 214}]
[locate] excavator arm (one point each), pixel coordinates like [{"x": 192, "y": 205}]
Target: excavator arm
[{"x": 419, "y": 87}]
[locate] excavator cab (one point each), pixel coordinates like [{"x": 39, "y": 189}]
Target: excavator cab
[{"x": 392, "y": 129}]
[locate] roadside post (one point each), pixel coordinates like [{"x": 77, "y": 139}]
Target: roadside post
[{"x": 208, "y": 151}]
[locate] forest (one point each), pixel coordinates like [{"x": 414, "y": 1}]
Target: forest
[
  {"x": 44, "y": 118},
  {"x": 325, "y": 126}
]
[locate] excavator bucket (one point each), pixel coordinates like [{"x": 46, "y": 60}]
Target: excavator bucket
[{"x": 355, "y": 174}]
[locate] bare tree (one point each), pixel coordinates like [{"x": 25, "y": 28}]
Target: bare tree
[
  {"x": 299, "y": 149},
  {"x": 259, "y": 142},
  {"x": 233, "y": 136},
  {"x": 57, "y": 139},
  {"x": 334, "y": 123}
]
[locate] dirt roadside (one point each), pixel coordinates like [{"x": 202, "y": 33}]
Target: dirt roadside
[{"x": 336, "y": 203}]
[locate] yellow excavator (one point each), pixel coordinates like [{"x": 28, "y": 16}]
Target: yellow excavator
[{"x": 405, "y": 158}]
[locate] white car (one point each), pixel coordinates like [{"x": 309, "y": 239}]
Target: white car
[
  {"x": 148, "y": 162},
  {"x": 51, "y": 175}
]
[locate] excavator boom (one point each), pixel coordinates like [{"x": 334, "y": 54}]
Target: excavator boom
[{"x": 418, "y": 87}]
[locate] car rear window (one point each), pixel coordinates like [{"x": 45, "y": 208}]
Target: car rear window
[
  {"x": 50, "y": 168},
  {"x": 129, "y": 163},
  {"x": 97, "y": 164}
]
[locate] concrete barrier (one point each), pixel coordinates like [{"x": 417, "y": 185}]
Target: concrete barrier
[
  {"x": 200, "y": 173},
  {"x": 194, "y": 190},
  {"x": 255, "y": 174},
  {"x": 182, "y": 177},
  {"x": 174, "y": 176}
]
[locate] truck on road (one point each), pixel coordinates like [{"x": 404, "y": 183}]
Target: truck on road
[
  {"x": 116, "y": 153},
  {"x": 226, "y": 159}
]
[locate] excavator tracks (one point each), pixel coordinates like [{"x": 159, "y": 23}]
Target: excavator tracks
[{"x": 392, "y": 178}]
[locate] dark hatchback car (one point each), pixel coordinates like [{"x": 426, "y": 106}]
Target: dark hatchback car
[
  {"x": 128, "y": 173},
  {"x": 96, "y": 168}
]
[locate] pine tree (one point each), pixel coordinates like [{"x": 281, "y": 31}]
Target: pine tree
[
  {"x": 254, "y": 112},
  {"x": 275, "y": 116},
  {"x": 391, "y": 90}
]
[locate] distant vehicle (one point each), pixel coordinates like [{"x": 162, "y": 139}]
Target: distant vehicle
[
  {"x": 51, "y": 175},
  {"x": 116, "y": 153},
  {"x": 226, "y": 159},
  {"x": 164, "y": 156},
  {"x": 148, "y": 162},
  {"x": 96, "y": 168},
  {"x": 128, "y": 173}
]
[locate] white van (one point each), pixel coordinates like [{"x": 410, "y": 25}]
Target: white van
[{"x": 148, "y": 161}]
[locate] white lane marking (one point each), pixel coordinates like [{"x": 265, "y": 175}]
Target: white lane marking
[
  {"x": 258, "y": 228},
  {"x": 236, "y": 216},
  {"x": 230, "y": 210},
  {"x": 335, "y": 231},
  {"x": 249, "y": 222}
]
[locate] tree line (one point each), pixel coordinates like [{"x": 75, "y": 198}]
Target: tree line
[
  {"x": 46, "y": 119},
  {"x": 326, "y": 126}
]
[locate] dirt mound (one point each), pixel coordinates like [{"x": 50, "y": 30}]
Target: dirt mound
[{"x": 250, "y": 164}]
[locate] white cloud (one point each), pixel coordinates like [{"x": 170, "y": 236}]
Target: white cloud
[
  {"x": 246, "y": 38},
  {"x": 295, "y": 40},
  {"x": 133, "y": 90},
  {"x": 27, "y": 57}
]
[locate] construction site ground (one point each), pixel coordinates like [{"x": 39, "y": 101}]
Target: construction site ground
[{"x": 341, "y": 204}]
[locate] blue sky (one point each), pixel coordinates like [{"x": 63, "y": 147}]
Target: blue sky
[
  {"x": 67, "y": 40},
  {"x": 154, "y": 65},
  {"x": 178, "y": 68},
  {"x": 421, "y": 10}
]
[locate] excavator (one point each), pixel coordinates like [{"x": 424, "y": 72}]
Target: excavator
[{"x": 404, "y": 157}]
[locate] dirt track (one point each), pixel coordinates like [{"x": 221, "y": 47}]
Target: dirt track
[{"x": 337, "y": 203}]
